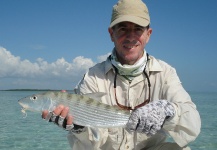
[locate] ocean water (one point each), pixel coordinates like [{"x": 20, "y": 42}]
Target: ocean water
[{"x": 33, "y": 133}]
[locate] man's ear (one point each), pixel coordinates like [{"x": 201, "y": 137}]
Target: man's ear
[
  {"x": 149, "y": 32},
  {"x": 110, "y": 30}
]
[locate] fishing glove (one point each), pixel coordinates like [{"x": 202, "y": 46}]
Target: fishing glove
[
  {"x": 61, "y": 122},
  {"x": 150, "y": 118}
]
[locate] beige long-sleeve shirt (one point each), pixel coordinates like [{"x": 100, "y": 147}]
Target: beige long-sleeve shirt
[{"x": 184, "y": 127}]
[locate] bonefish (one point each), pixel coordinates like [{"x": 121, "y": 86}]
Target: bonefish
[{"x": 86, "y": 111}]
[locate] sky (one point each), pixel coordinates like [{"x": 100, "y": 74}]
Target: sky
[{"x": 50, "y": 44}]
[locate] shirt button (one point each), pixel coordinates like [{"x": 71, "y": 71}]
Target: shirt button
[{"x": 127, "y": 146}]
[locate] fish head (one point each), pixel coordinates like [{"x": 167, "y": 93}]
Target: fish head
[{"x": 36, "y": 102}]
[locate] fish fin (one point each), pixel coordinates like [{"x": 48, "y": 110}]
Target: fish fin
[
  {"x": 96, "y": 96},
  {"x": 52, "y": 106},
  {"x": 95, "y": 132}
]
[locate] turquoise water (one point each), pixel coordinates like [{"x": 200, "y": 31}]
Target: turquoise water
[
  {"x": 207, "y": 106},
  {"x": 33, "y": 133}
]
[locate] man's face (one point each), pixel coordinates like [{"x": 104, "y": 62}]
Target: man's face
[{"x": 130, "y": 40}]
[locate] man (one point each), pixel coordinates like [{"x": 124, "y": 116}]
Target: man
[{"x": 135, "y": 81}]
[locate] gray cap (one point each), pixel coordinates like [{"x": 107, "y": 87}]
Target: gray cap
[{"x": 134, "y": 11}]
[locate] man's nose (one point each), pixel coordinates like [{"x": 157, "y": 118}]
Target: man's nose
[{"x": 130, "y": 33}]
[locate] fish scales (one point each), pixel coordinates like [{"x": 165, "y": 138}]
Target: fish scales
[
  {"x": 103, "y": 116},
  {"x": 86, "y": 111},
  {"x": 107, "y": 113},
  {"x": 102, "y": 110},
  {"x": 100, "y": 119},
  {"x": 94, "y": 104},
  {"x": 81, "y": 99}
]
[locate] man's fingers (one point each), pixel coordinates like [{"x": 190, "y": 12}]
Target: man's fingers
[
  {"x": 64, "y": 112},
  {"x": 69, "y": 120},
  {"x": 55, "y": 114},
  {"x": 133, "y": 122},
  {"x": 57, "y": 111},
  {"x": 44, "y": 114},
  {"x": 60, "y": 116},
  {"x": 69, "y": 123}
]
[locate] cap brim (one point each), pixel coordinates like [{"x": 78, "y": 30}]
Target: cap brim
[{"x": 126, "y": 18}]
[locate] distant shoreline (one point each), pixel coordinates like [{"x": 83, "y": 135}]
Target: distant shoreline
[{"x": 31, "y": 90}]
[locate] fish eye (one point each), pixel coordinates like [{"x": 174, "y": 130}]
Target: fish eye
[{"x": 34, "y": 98}]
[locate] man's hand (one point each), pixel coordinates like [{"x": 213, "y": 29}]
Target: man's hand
[
  {"x": 59, "y": 116},
  {"x": 150, "y": 118},
  {"x": 62, "y": 118}
]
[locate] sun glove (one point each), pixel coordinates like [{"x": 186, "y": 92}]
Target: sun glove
[
  {"x": 61, "y": 122},
  {"x": 150, "y": 118}
]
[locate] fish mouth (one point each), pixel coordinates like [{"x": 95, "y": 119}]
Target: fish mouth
[
  {"x": 24, "y": 106},
  {"x": 19, "y": 102},
  {"x": 23, "y": 109}
]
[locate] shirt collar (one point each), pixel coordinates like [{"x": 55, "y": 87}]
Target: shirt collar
[
  {"x": 108, "y": 65},
  {"x": 154, "y": 65}
]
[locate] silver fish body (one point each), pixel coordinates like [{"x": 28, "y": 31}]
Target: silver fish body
[{"x": 85, "y": 110}]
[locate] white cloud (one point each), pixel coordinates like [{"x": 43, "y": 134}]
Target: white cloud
[
  {"x": 103, "y": 57},
  {"x": 27, "y": 74}
]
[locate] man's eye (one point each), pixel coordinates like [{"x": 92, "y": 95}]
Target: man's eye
[
  {"x": 139, "y": 29},
  {"x": 122, "y": 29}
]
